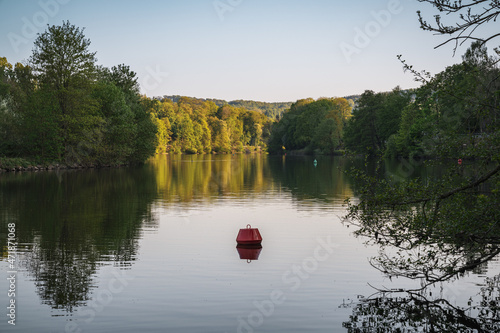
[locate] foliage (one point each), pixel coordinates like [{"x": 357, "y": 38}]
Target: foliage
[
  {"x": 437, "y": 229},
  {"x": 116, "y": 132},
  {"x": 61, "y": 57},
  {"x": 272, "y": 110},
  {"x": 13, "y": 162},
  {"x": 454, "y": 111},
  {"x": 311, "y": 125},
  {"x": 194, "y": 126},
  {"x": 63, "y": 107},
  {"x": 376, "y": 117}
]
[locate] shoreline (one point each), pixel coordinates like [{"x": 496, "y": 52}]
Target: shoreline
[
  {"x": 55, "y": 167},
  {"x": 11, "y": 165}
]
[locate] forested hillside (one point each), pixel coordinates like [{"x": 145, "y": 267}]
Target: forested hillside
[
  {"x": 272, "y": 110},
  {"x": 375, "y": 118},
  {"x": 64, "y": 108},
  {"x": 192, "y": 125},
  {"x": 311, "y": 126},
  {"x": 58, "y": 109}
]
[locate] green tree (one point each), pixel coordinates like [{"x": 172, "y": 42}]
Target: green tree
[
  {"x": 144, "y": 143},
  {"x": 457, "y": 107},
  {"x": 40, "y": 131},
  {"x": 376, "y": 118},
  {"x": 448, "y": 224},
  {"x": 123, "y": 77},
  {"x": 326, "y": 137},
  {"x": 220, "y": 137},
  {"x": 311, "y": 125},
  {"x": 186, "y": 134},
  {"x": 114, "y": 144},
  {"x": 389, "y": 116},
  {"x": 62, "y": 107},
  {"x": 62, "y": 61},
  {"x": 361, "y": 133},
  {"x": 206, "y": 136},
  {"x": 8, "y": 121},
  {"x": 143, "y": 128},
  {"x": 61, "y": 57},
  {"x": 163, "y": 134}
]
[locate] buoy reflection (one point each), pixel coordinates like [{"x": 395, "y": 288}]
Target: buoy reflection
[{"x": 249, "y": 252}]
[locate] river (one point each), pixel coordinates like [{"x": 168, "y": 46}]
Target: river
[{"x": 152, "y": 248}]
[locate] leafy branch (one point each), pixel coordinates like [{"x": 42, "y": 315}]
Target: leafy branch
[{"x": 471, "y": 14}]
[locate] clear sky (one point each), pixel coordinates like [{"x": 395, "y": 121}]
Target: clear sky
[{"x": 266, "y": 50}]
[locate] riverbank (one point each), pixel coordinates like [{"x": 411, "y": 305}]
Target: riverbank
[
  {"x": 309, "y": 152},
  {"x": 17, "y": 164},
  {"x": 23, "y": 165}
]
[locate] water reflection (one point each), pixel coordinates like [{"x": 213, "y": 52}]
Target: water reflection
[
  {"x": 249, "y": 252},
  {"x": 69, "y": 223},
  {"x": 445, "y": 262},
  {"x": 205, "y": 178},
  {"x": 407, "y": 311},
  {"x": 324, "y": 182}
]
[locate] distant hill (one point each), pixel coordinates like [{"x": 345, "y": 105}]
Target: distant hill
[{"x": 272, "y": 110}]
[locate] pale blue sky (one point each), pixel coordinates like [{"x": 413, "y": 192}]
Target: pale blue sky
[{"x": 267, "y": 50}]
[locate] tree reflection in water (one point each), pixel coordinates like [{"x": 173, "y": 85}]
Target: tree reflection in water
[
  {"x": 423, "y": 311},
  {"x": 70, "y": 223},
  {"x": 432, "y": 306},
  {"x": 63, "y": 277},
  {"x": 434, "y": 240}
]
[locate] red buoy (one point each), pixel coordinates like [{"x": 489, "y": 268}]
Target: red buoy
[{"x": 249, "y": 236}]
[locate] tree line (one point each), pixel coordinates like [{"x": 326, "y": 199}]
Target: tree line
[
  {"x": 452, "y": 114},
  {"x": 197, "y": 126},
  {"x": 442, "y": 226},
  {"x": 311, "y": 126},
  {"x": 273, "y": 110},
  {"x": 62, "y": 107}
]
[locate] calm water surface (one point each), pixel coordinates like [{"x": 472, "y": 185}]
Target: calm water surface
[{"x": 153, "y": 248}]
